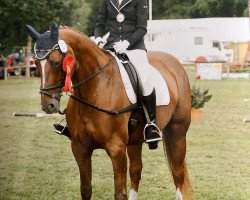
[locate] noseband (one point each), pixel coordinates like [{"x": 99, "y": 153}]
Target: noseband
[
  {"x": 56, "y": 96},
  {"x": 46, "y": 90}
]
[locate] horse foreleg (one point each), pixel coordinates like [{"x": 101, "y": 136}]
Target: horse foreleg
[
  {"x": 135, "y": 168},
  {"x": 117, "y": 153},
  {"x": 175, "y": 143},
  {"x": 83, "y": 159}
]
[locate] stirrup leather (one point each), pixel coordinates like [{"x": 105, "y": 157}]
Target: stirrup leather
[{"x": 153, "y": 125}]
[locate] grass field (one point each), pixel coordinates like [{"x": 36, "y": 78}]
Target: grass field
[{"x": 37, "y": 164}]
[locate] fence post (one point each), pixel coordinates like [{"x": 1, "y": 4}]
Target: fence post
[
  {"x": 228, "y": 70},
  {"x": 29, "y": 44},
  {"x": 5, "y": 73},
  {"x": 27, "y": 70}
]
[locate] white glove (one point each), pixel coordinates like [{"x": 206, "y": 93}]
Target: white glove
[
  {"x": 121, "y": 47},
  {"x": 98, "y": 40}
]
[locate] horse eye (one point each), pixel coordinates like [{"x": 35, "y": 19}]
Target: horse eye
[{"x": 56, "y": 63}]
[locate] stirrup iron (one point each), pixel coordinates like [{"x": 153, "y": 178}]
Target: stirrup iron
[
  {"x": 157, "y": 130},
  {"x": 61, "y": 129}
]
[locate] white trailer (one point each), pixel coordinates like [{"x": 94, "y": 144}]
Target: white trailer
[{"x": 188, "y": 39}]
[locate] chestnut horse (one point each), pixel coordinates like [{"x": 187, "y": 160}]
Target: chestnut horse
[{"x": 96, "y": 80}]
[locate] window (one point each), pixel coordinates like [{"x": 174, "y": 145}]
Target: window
[
  {"x": 198, "y": 40},
  {"x": 216, "y": 45}
]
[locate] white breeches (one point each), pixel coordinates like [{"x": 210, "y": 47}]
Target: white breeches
[
  {"x": 146, "y": 71},
  {"x": 149, "y": 76}
]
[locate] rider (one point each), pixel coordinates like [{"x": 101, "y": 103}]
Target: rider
[{"x": 126, "y": 21}]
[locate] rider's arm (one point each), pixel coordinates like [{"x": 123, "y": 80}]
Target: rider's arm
[{"x": 141, "y": 24}]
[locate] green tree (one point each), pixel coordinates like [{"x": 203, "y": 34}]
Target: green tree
[
  {"x": 176, "y": 9},
  {"x": 15, "y": 14},
  {"x": 158, "y": 8},
  {"x": 94, "y": 7},
  {"x": 83, "y": 14},
  {"x": 219, "y": 8}
]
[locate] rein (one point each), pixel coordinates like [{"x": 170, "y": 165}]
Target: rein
[
  {"x": 93, "y": 75},
  {"x": 124, "y": 110}
]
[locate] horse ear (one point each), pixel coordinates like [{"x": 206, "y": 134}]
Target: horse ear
[
  {"x": 54, "y": 34},
  {"x": 32, "y": 32}
]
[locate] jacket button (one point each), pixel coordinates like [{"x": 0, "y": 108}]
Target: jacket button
[{"x": 120, "y": 27}]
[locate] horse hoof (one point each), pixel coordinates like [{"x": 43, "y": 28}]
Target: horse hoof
[{"x": 153, "y": 145}]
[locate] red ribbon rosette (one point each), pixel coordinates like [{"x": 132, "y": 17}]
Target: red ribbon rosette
[{"x": 68, "y": 63}]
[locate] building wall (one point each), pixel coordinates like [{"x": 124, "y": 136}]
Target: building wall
[{"x": 177, "y": 38}]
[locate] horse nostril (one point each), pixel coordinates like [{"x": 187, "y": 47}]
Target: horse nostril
[{"x": 50, "y": 106}]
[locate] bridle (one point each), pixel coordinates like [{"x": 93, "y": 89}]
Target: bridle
[
  {"x": 45, "y": 90},
  {"x": 57, "y": 96}
]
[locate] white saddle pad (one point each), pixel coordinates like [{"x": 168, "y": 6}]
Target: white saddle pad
[{"x": 162, "y": 93}]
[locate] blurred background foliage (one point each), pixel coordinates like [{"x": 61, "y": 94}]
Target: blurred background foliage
[{"x": 81, "y": 14}]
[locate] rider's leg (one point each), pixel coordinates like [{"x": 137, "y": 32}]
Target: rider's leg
[
  {"x": 140, "y": 61},
  {"x": 151, "y": 131}
]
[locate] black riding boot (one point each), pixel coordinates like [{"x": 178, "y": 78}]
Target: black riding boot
[{"x": 152, "y": 133}]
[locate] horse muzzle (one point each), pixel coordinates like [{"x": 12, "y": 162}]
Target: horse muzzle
[{"x": 53, "y": 104}]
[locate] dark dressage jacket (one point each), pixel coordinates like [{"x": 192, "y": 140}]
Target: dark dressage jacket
[{"x": 132, "y": 29}]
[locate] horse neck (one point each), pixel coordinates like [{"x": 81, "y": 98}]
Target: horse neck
[{"x": 89, "y": 60}]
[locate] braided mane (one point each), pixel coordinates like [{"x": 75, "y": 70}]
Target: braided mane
[{"x": 75, "y": 30}]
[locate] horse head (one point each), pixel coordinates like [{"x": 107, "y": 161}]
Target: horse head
[{"x": 50, "y": 54}]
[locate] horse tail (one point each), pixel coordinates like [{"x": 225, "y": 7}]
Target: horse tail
[{"x": 186, "y": 189}]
